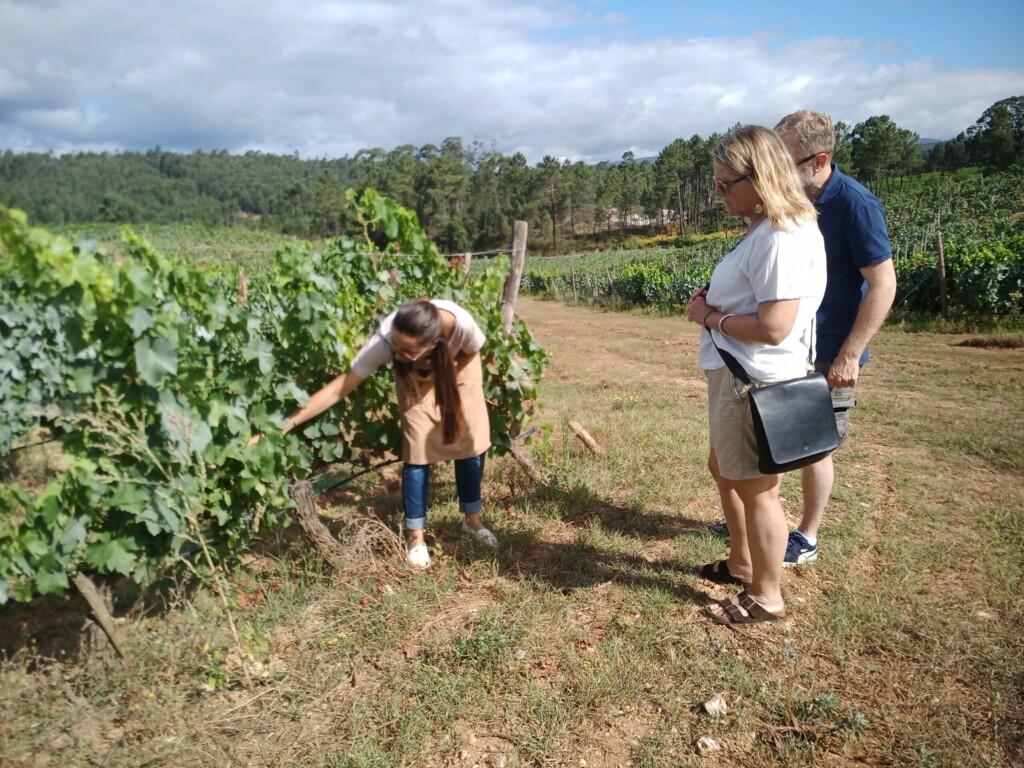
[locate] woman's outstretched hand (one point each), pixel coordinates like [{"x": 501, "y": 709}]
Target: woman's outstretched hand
[{"x": 289, "y": 425}]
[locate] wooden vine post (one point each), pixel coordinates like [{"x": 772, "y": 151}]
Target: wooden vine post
[
  {"x": 520, "y": 230},
  {"x": 942, "y": 276},
  {"x": 243, "y": 288},
  {"x": 586, "y": 438},
  {"x": 515, "y": 276}
]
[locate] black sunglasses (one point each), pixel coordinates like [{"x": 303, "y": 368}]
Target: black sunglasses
[
  {"x": 727, "y": 185},
  {"x": 809, "y": 158}
]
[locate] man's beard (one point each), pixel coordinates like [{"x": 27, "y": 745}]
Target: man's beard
[{"x": 807, "y": 179}]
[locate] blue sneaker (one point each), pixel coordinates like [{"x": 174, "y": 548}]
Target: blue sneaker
[
  {"x": 799, "y": 550},
  {"x": 720, "y": 529}
]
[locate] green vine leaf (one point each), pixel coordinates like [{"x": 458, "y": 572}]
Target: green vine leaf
[{"x": 155, "y": 361}]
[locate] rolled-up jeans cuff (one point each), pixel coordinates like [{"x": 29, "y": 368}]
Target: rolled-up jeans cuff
[
  {"x": 415, "y": 523},
  {"x": 471, "y": 507}
]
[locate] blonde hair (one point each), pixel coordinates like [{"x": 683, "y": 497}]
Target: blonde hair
[
  {"x": 759, "y": 154},
  {"x": 812, "y": 131}
]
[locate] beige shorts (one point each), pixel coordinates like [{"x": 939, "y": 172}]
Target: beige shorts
[{"x": 730, "y": 426}]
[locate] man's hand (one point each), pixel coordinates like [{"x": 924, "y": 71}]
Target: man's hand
[
  {"x": 844, "y": 371},
  {"x": 881, "y": 280}
]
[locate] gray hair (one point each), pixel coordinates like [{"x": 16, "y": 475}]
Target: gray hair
[{"x": 812, "y": 131}]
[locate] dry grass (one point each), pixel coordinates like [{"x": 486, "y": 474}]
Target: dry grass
[{"x": 582, "y": 639}]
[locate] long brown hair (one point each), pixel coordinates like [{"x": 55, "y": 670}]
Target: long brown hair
[{"x": 421, "y": 320}]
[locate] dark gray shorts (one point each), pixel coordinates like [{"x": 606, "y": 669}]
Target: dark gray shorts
[{"x": 843, "y": 401}]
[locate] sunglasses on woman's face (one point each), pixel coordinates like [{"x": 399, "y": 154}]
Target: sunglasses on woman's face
[
  {"x": 411, "y": 356},
  {"x": 725, "y": 185},
  {"x": 407, "y": 356}
]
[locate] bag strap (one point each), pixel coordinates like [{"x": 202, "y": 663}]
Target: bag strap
[{"x": 730, "y": 362}]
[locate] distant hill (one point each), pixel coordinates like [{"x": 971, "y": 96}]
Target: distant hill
[{"x": 927, "y": 144}]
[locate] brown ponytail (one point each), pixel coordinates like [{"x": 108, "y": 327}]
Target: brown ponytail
[
  {"x": 422, "y": 320},
  {"x": 446, "y": 391}
]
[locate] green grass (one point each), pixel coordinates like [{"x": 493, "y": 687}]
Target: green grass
[{"x": 582, "y": 637}]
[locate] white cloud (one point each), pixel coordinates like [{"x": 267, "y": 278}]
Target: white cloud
[
  {"x": 11, "y": 87},
  {"x": 329, "y": 78}
]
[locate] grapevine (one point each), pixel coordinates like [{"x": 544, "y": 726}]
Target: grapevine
[{"x": 152, "y": 375}]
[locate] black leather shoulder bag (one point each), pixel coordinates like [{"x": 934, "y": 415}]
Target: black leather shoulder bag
[{"x": 793, "y": 420}]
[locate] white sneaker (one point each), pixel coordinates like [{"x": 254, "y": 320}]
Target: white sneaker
[
  {"x": 484, "y": 536},
  {"x": 418, "y": 556}
]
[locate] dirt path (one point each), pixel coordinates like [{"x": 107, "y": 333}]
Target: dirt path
[
  {"x": 614, "y": 348},
  {"x": 932, "y": 473}
]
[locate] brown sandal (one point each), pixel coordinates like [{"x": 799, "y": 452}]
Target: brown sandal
[
  {"x": 718, "y": 572},
  {"x": 743, "y": 609}
]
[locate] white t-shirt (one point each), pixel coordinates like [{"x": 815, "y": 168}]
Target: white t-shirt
[
  {"x": 769, "y": 265},
  {"x": 379, "y": 351}
]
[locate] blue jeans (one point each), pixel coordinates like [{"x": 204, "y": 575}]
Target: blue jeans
[{"x": 416, "y": 486}]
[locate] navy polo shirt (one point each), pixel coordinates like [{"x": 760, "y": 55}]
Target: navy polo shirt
[{"x": 852, "y": 222}]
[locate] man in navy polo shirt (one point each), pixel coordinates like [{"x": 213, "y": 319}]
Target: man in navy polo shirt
[{"x": 860, "y": 290}]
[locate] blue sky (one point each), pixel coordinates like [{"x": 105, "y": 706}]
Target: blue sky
[
  {"x": 955, "y": 32},
  {"x": 576, "y": 79}
]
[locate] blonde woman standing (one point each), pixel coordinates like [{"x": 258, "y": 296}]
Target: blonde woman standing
[{"x": 760, "y": 307}]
